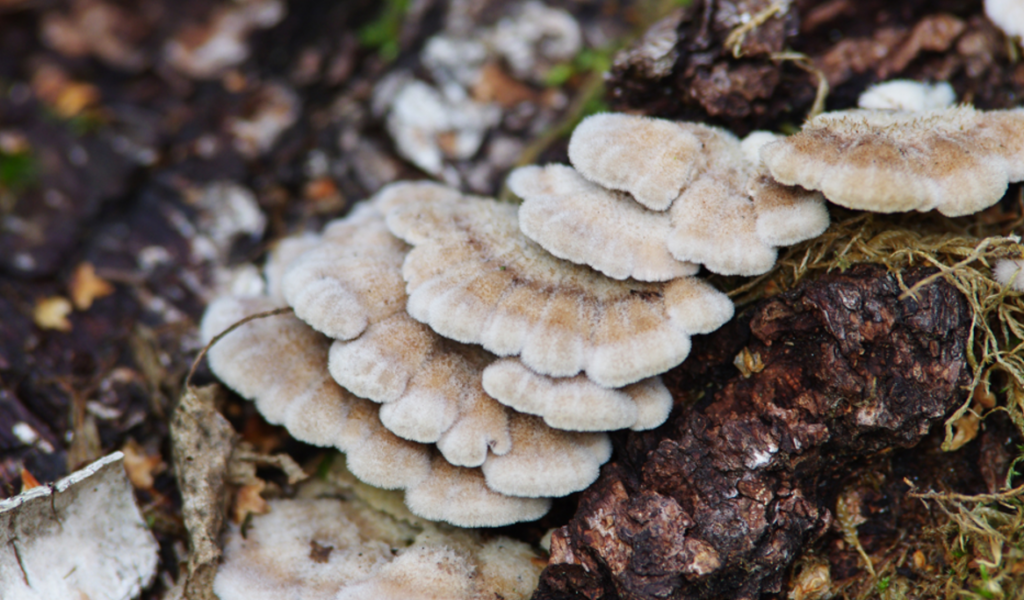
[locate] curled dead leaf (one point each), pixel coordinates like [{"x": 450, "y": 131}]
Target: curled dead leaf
[
  {"x": 249, "y": 501},
  {"x": 140, "y": 466},
  {"x": 87, "y": 286},
  {"x": 52, "y": 313}
]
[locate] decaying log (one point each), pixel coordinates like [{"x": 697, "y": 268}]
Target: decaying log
[{"x": 718, "y": 502}]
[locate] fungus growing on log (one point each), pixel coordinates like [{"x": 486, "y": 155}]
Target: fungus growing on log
[
  {"x": 722, "y": 212},
  {"x": 956, "y": 160},
  {"x": 473, "y": 277},
  {"x": 281, "y": 364},
  {"x": 719, "y": 501}
]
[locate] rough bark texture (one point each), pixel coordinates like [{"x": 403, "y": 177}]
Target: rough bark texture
[
  {"x": 717, "y": 502},
  {"x": 683, "y": 69}
]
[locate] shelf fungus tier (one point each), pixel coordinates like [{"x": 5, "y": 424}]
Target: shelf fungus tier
[
  {"x": 724, "y": 212},
  {"x": 280, "y": 363},
  {"x": 431, "y": 391},
  {"x": 350, "y": 286},
  {"x": 956, "y": 160},
  {"x": 472, "y": 276}
]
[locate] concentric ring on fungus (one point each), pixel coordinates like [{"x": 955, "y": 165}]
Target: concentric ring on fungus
[
  {"x": 727, "y": 214},
  {"x": 957, "y": 160},
  {"x": 281, "y": 364},
  {"x": 473, "y": 277}
]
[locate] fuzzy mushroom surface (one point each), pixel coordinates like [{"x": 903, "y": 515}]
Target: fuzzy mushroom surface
[
  {"x": 957, "y": 160},
  {"x": 473, "y": 277},
  {"x": 333, "y": 549},
  {"x": 727, "y": 214},
  {"x": 280, "y": 363}
]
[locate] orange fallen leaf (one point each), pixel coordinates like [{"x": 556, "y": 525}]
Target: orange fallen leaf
[
  {"x": 248, "y": 501},
  {"x": 52, "y": 313},
  {"x": 28, "y": 481},
  {"x": 494, "y": 85},
  {"x": 87, "y": 286},
  {"x": 141, "y": 467},
  {"x": 76, "y": 97}
]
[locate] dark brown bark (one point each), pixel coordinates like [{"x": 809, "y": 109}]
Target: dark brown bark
[{"x": 718, "y": 502}]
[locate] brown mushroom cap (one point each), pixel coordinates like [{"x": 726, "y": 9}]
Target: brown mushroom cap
[
  {"x": 957, "y": 160},
  {"x": 473, "y": 277}
]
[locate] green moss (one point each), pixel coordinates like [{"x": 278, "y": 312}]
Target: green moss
[
  {"x": 18, "y": 171},
  {"x": 381, "y": 34}
]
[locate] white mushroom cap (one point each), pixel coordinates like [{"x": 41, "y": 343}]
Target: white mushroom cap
[
  {"x": 442, "y": 400},
  {"x": 463, "y": 497},
  {"x": 906, "y": 94},
  {"x": 585, "y": 223},
  {"x": 473, "y": 277},
  {"x": 546, "y": 462},
  {"x": 576, "y": 403},
  {"x": 716, "y": 225},
  {"x": 430, "y": 388},
  {"x": 1007, "y": 15},
  {"x": 1010, "y": 273},
  {"x": 957, "y": 160},
  {"x": 652, "y": 159},
  {"x": 281, "y": 364},
  {"x": 350, "y": 279},
  {"x": 280, "y": 258},
  {"x": 785, "y": 214}
]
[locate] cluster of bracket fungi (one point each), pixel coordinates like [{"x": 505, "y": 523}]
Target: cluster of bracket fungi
[{"x": 475, "y": 353}]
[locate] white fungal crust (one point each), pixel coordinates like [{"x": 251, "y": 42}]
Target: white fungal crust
[
  {"x": 275, "y": 558},
  {"x": 1007, "y": 15},
  {"x": 957, "y": 160},
  {"x": 652, "y": 159},
  {"x": 1010, "y": 273},
  {"x": 582, "y": 222},
  {"x": 280, "y": 363},
  {"x": 576, "y": 403},
  {"x": 330, "y": 549},
  {"x": 906, "y": 94},
  {"x": 473, "y": 277},
  {"x": 280, "y": 258}
]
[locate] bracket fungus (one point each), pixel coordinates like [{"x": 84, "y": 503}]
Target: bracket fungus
[
  {"x": 382, "y": 357},
  {"x": 651, "y": 199},
  {"x": 957, "y": 160},
  {"x": 281, "y": 364},
  {"x": 473, "y": 277}
]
